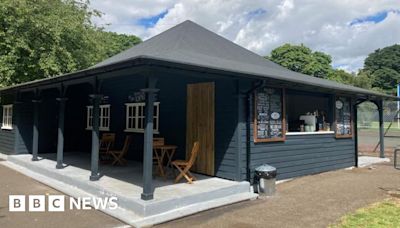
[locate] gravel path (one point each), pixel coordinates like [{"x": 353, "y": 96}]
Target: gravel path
[{"x": 311, "y": 201}]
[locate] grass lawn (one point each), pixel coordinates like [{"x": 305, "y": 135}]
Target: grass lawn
[
  {"x": 374, "y": 125},
  {"x": 383, "y": 214}
]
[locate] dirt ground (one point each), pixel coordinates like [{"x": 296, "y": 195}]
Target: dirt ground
[
  {"x": 311, "y": 201},
  {"x": 14, "y": 183}
]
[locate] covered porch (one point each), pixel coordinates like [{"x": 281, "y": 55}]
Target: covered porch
[{"x": 125, "y": 182}]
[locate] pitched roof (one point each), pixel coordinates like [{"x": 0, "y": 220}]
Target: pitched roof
[{"x": 190, "y": 44}]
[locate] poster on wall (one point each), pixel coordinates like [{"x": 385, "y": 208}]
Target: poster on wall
[
  {"x": 343, "y": 117},
  {"x": 269, "y": 115}
]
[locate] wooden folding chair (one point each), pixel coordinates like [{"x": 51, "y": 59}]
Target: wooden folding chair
[
  {"x": 184, "y": 166},
  {"x": 157, "y": 154},
  {"x": 118, "y": 155},
  {"x": 106, "y": 143}
]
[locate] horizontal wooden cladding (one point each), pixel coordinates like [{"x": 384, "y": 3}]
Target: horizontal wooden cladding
[
  {"x": 7, "y": 140},
  {"x": 317, "y": 169},
  {"x": 301, "y": 155},
  {"x": 300, "y": 147},
  {"x": 304, "y": 154}
]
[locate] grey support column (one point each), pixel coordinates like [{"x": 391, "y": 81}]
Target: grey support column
[
  {"x": 35, "y": 140},
  {"x": 381, "y": 129},
  {"x": 95, "y": 175},
  {"x": 239, "y": 134},
  {"x": 60, "y": 140},
  {"x": 148, "y": 190}
]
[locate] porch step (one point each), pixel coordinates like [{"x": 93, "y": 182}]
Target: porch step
[{"x": 132, "y": 210}]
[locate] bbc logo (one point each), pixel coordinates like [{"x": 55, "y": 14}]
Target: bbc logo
[{"x": 36, "y": 203}]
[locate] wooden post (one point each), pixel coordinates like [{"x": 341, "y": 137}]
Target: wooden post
[
  {"x": 381, "y": 129},
  {"x": 355, "y": 133},
  {"x": 60, "y": 140},
  {"x": 148, "y": 190},
  {"x": 35, "y": 137},
  {"x": 17, "y": 121},
  {"x": 95, "y": 175}
]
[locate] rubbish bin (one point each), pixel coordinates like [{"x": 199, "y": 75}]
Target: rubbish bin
[
  {"x": 265, "y": 177},
  {"x": 397, "y": 157}
]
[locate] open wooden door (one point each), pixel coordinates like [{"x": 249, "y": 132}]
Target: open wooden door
[{"x": 200, "y": 125}]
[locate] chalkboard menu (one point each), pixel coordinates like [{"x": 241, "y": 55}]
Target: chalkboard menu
[
  {"x": 269, "y": 118},
  {"x": 343, "y": 117}
]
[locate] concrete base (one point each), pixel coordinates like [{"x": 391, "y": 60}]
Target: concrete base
[
  {"x": 170, "y": 201},
  {"x": 3, "y": 156},
  {"x": 364, "y": 161}
]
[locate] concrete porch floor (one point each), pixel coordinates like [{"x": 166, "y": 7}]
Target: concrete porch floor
[{"x": 170, "y": 200}]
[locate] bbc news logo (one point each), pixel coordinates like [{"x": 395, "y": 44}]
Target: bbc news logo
[{"x": 57, "y": 203}]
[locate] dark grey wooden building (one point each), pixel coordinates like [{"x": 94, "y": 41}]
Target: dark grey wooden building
[{"x": 244, "y": 110}]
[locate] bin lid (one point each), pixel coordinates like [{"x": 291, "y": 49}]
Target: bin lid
[{"x": 265, "y": 168}]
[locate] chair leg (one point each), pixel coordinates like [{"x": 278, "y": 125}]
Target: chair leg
[
  {"x": 179, "y": 177},
  {"x": 192, "y": 176}
]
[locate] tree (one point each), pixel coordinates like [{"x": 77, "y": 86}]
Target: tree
[
  {"x": 302, "y": 59},
  {"x": 40, "y": 39},
  {"x": 383, "y": 65},
  {"x": 362, "y": 80},
  {"x": 341, "y": 76}
]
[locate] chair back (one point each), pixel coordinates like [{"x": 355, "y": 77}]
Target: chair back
[
  {"x": 158, "y": 141},
  {"x": 107, "y": 141},
  {"x": 127, "y": 143},
  {"x": 193, "y": 154}
]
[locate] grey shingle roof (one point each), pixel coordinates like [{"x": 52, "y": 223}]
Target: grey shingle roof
[{"x": 190, "y": 44}]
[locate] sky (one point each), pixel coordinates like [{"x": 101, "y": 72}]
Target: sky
[{"x": 348, "y": 30}]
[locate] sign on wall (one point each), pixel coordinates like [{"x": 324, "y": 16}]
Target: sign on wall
[
  {"x": 269, "y": 115},
  {"x": 343, "y": 117}
]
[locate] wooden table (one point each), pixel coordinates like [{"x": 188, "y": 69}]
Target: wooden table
[{"x": 161, "y": 151}]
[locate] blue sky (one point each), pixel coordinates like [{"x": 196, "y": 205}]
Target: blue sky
[
  {"x": 375, "y": 18},
  {"x": 346, "y": 30},
  {"x": 151, "y": 21}
]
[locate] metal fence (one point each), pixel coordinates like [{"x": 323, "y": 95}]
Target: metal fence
[{"x": 368, "y": 114}]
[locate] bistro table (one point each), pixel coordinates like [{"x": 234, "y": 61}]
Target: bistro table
[{"x": 162, "y": 151}]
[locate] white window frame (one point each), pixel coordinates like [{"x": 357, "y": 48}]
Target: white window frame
[
  {"x": 104, "y": 120},
  {"x": 136, "y": 118},
  {"x": 7, "y": 117}
]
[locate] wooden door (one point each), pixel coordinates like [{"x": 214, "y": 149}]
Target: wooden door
[{"x": 200, "y": 125}]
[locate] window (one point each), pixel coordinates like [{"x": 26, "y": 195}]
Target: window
[
  {"x": 308, "y": 113},
  {"x": 104, "y": 118},
  {"x": 135, "y": 117},
  {"x": 343, "y": 117},
  {"x": 7, "y": 117}
]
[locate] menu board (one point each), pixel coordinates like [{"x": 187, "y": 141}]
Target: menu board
[
  {"x": 269, "y": 115},
  {"x": 343, "y": 117}
]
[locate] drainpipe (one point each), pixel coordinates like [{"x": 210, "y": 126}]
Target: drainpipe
[{"x": 248, "y": 127}]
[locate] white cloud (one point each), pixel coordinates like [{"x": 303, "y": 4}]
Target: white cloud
[{"x": 262, "y": 25}]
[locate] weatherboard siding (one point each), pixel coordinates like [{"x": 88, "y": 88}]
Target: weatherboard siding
[{"x": 301, "y": 155}]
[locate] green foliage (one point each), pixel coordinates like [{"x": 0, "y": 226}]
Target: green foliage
[
  {"x": 362, "y": 80},
  {"x": 302, "y": 59},
  {"x": 341, "y": 76},
  {"x": 44, "y": 38},
  {"x": 383, "y": 66}
]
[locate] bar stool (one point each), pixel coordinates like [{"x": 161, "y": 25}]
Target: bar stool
[{"x": 395, "y": 155}]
